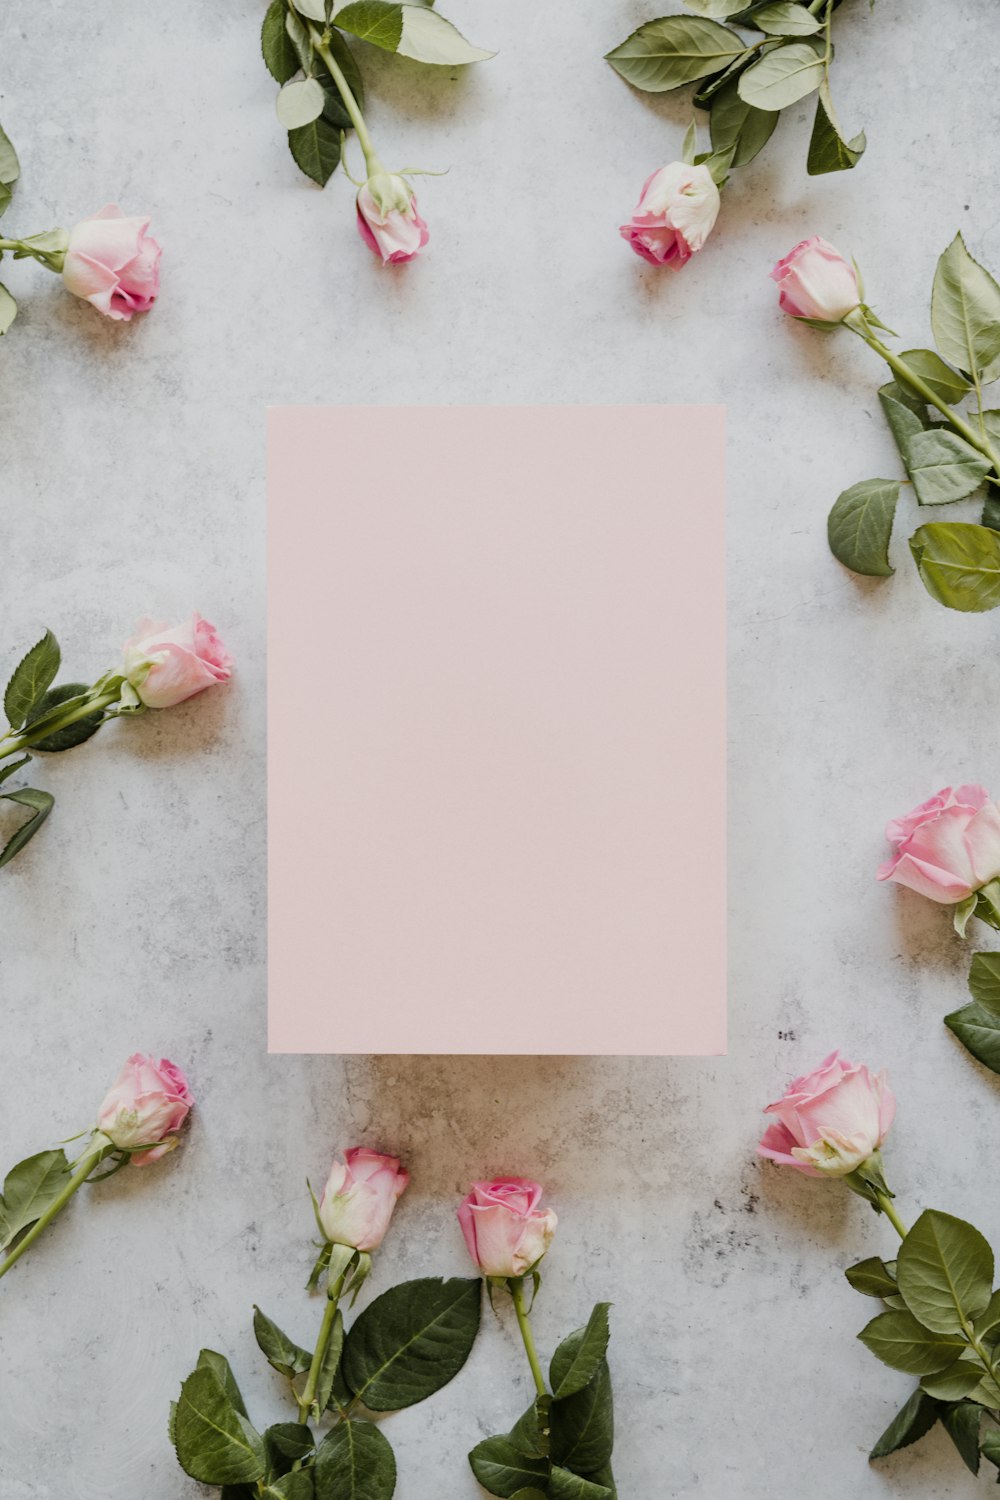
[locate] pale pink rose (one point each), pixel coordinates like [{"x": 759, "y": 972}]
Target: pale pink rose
[
  {"x": 815, "y": 281},
  {"x": 675, "y": 215},
  {"x": 506, "y": 1229},
  {"x": 146, "y": 1106},
  {"x": 112, "y": 263},
  {"x": 360, "y": 1195},
  {"x": 947, "y": 847},
  {"x": 831, "y": 1121},
  {"x": 168, "y": 663},
  {"x": 388, "y": 220}
]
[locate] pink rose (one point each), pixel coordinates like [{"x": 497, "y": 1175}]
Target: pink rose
[
  {"x": 831, "y": 1121},
  {"x": 946, "y": 848},
  {"x": 360, "y": 1195},
  {"x": 816, "y": 281},
  {"x": 388, "y": 220},
  {"x": 147, "y": 1105},
  {"x": 505, "y": 1228},
  {"x": 168, "y": 663},
  {"x": 113, "y": 263},
  {"x": 675, "y": 215}
]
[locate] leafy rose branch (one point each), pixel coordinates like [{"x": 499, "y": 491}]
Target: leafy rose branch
[
  {"x": 941, "y": 1321},
  {"x": 949, "y": 453}
]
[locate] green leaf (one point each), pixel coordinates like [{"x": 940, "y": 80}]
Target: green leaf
[
  {"x": 316, "y": 149},
  {"x": 578, "y": 1358},
  {"x": 945, "y": 382},
  {"x": 287, "y": 1443},
  {"x": 300, "y": 102},
  {"x": 944, "y": 1272},
  {"x": 10, "y": 169},
  {"x": 32, "y": 676},
  {"x": 734, "y": 123},
  {"x": 959, "y": 564},
  {"x": 965, "y": 313},
  {"x": 411, "y": 1341},
  {"x": 871, "y": 1277},
  {"x": 330, "y": 1367},
  {"x": 503, "y": 1471},
  {"x": 8, "y": 307},
  {"x": 13, "y": 767},
  {"x": 899, "y": 1341},
  {"x": 531, "y": 1494},
  {"x": 905, "y": 412},
  {"x": 984, "y": 978},
  {"x": 530, "y": 1433},
  {"x": 674, "y": 50},
  {"x": 41, "y": 803},
  {"x": 954, "y": 1383},
  {"x": 990, "y": 1445},
  {"x": 355, "y": 1462},
  {"x": 73, "y": 734},
  {"x": 564, "y": 1485},
  {"x": 962, "y": 1423},
  {"x": 414, "y": 31},
  {"x": 277, "y": 1348},
  {"x": 829, "y": 150},
  {"x": 297, "y": 1486},
  {"x": 977, "y": 1025},
  {"x": 280, "y": 53},
  {"x": 782, "y": 77},
  {"x": 943, "y": 467},
  {"x": 214, "y": 1441},
  {"x": 29, "y": 1189},
  {"x": 348, "y": 65},
  {"x": 719, "y": 10},
  {"x": 583, "y": 1425},
  {"x": 785, "y": 18},
  {"x": 860, "y": 526},
  {"x": 222, "y": 1370},
  {"x": 909, "y": 1424}
]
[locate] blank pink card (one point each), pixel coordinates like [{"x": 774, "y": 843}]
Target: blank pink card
[{"x": 497, "y": 729}]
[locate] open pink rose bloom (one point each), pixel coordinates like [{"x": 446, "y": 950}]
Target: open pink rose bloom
[
  {"x": 112, "y": 263},
  {"x": 947, "y": 847},
  {"x": 831, "y": 1120}
]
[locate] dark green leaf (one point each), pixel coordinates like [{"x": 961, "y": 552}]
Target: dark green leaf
[
  {"x": 871, "y": 1277},
  {"x": 944, "y": 1272},
  {"x": 829, "y": 151},
  {"x": 73, "y": 734},
  {"x": 503, "y": 1471},
  {"x": 860, "y": 526},
  {"x": 30, "y": 679},
  {"x": 579, "y": 1357},
  {"x": 355, "y": 1462},
  {"x": 962, "y": 1423},
  {"x": 959, "y": 564},
  {"x": 287, "y": 1442},
  {"x": 988, "y": 1322},
  {"x": 583, "y": 1425},
  {"x": 984, "y": 978},
  {"x": 297, "y": 1486},
  {"x": 977, "y": 1027},
  {"x": 222, "y": 1370},
  {"x": 29, "y": 1189},
  {"x": 990, "y": 1445},
  {"x": 277, "y": 1348},
  {"x": 782, "y": 77},
  {"x": 214, "y": 1441},
  {"x": 348, "y": 64},
  {"x": 530, "y": 1433},
  {"x": 564, "y": 1485},
  {"x": 280, "y": 53},
  {"x": 316, "y": 149},
  {"x": 41, "y": 804},
  {"x": 411, "y": 1341},
  {"x": 674, "y": 50},
  {"x": 943, "y": 466},
  {"x": 946, "y": 383},
  {"x": 899, "y": 1341},
  {"x": 965, "y": 313},
  {"x": 734, "y": 123},
  {"x": 908, "y": 1425},
  {"x": 13, "y": 767}
]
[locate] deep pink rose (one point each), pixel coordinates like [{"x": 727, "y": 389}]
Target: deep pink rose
[
  {"x": 815, "y": 281},
  {"x": 675, "y": 215},
  {"x": 168, "y": 663},
  {"x": 147, "y": 1104},
  {"x": 113, "y": 263},
  {"x": 947, "y": 847},
  {"x": 830, "y": 1121},
  {"x": 505, "y": 1227},
  {"x": 388, "y": 220},
  {"x": 360, "y": 1195}
]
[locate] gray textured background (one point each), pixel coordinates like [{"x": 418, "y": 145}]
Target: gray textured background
[{"x": 132, "y": 475}]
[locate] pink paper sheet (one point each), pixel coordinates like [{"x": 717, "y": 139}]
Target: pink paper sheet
[{"x": 497, "y": 730}]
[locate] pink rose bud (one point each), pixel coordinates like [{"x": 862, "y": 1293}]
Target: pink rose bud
[
  {"x": 146, "y": 1106},
  {"x": 946, "y": 848},
  {"x": 675, "y": 215},
  {"x": 506, "y": 1229},
  {"x": 167, "y": 663},
  {"x": 113, "y": 263},
  {"x": 360, "y": 1195},
  {"x": 816, "y": 282},
  {"x": 388, "y": 221},
  {"x": 831, "y": 1121}
]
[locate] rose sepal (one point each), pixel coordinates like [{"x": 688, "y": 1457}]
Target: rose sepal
[{"x": 868, "y": 1181}]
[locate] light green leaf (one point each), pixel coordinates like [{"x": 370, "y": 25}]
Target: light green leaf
[
  {"x": 503, "y": 1471},
  {"x": 411, "y": 1341},
  {"x": 414, "y": 31},
  {"x": 954, "y": 1383},
  {"x": 829, "y": 149},
  {"x": 10, "y": 170},
  {"x": 734, "y": 123},
  {"x": 564, "y": 1485},
  {"x": 579, "y": 1357},
  {"x": 990, "y": 1445},
  {"x": 314, "y": 10},
  {"x": 785, "y": 18},
  {"x": 41, "y": 804},
  {"x": 8, "y": 307},
  {"x": 904, "y": 411},
  {"x": 300, "y": 102},
  {"x": 355, "y": 1462},
  {"x": 959, "y": 564},
  {"x": 220, "y": 1367},
  {"x": 945, "y": 382},
  {"x": 944, "y": 1272},
  {"x": 988, "y": 1322},
  {"x": 915, "y": 1419},
  {"x": 943, "y": 467},
  {"x": 718, "y": 10},
  {"x": 872, "y": 1277},
  {"x": 30, "y": 679},
  {"x": 583, "y": 1425},
  {"x": 860, "y": 526},
  {"x": 782, "y": 77},
  {"x": 280, "y": 54},
  {"x": 965, "y": 313},
  {"x": 675, "y": 50},
  {"x": 29, "y": 1189},
  {"x": 316, "y": 149},
  {"x": 215, "y": 1443},
  {"x": 899, "y": 1341},
  {"x": 277, "y": 1348},
  {"x": 328, "y": 1370}
]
